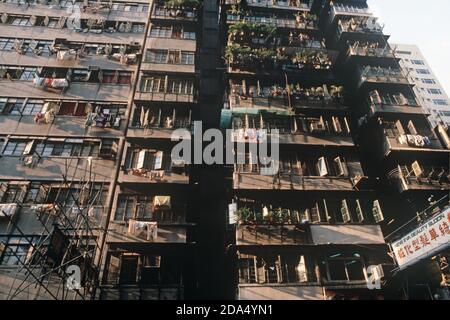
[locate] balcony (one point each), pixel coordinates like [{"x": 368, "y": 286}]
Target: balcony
[
  {"x": 398, "y": 103},
  {"x": 382, "y": 76},
  {"x": 53, "y": 168},
  {"x": 409, "y": 142},
  {"x": 159, "y": 123},
  {"x": 166, "y": 88},
  {"x": 371, "y": 53},
  {"x": 247, "y": 235},
  {"x": 252, "y": 98},
  {"x": 59, "y": 118},
  {"x": 359, "y": 29},
  {"x": 418, "y": 177},
  {"x": 256, "y": 181},
  {"x": 340, "y": 9},
  {"x": 175, "y": 13},
  {"x": 292, "y": 5},
  {"x": 303, "y": 20},
  {"x": 266, "y": 61},
  {"x": 104, "y": 9},
  {"x": 148, "y": 165},
  {"x": 141, "y": 292}
]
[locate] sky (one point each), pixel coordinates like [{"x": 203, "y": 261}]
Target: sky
[{"x": 423, "y": 23}]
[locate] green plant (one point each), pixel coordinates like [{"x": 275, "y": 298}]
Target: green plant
[
  {"x": 182, "y": 3},
  {"x": 244, "y": 214}
]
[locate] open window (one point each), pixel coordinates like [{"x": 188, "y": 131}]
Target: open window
[
  {"x": 345, "y": 268},
  {"x": 340, "y": 167}
]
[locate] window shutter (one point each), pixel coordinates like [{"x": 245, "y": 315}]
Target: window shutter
[
  {"x": 412, "y": 128},
  {"x": 359, "y": 212},
  {"x": 113, "y": 269},
  {"x": 41, "y": 196},
  {"x": 399, "y": 127},
  {"x": 417, "y": 169},
  {"x": 322, "y": 167},
  {"x": 141, "y": 159},
  {"x": 28, "y": 148},
  {"x": 336, "y": 125},
  {"x": 3, "y": 189},
  {"x": 301, "y": 269},
  {"x": 158, "y": 160},
  {"x": 315, "y": 214},
  {"x": 22, "y": 194},
  {"x": 345, "y": 212},
  {"x": 341, "y": 169},
  {"x": 377, "y": 212}
]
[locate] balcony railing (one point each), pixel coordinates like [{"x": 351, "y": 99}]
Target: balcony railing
[
  {"x": 419, "y": 177},
  {"x": 271, "y": 235},
  {"x": 278, "y": 4},
  {"x": 343, "y": 9},
  {"x": 383, "y": 75},
  {"x": 408, "y": 141},
  {"x": 359, "y": 25},
  {"x": 371, "y": 52}
]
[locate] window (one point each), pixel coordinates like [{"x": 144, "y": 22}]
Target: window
[
  {"x": 27, "y": 74},
  {"x": 153, "y": 84},
  {"x": 20, "y": 21},
  {"x": 161, "y": 32},
  {"x": 32, "y": 107},
  {"x": 187, "y": 57},
  {"x": 156, "y": 56},
  {"x": 14, "y": 194},
  {"x": 174, "y": 57},
  {"x": 180, "y": 86},
  {"x": 423, "y": 71},
  {"x": 138, "y": 28},
  {"x": 247, "y": 269},
  {"x": 440, "y": 102},
  {"x": 14, "y": 148},
  {"x": 6, "y": 44},
  {"x": 345, "y": 268},
  {"x": 188, "y": 35},
  {"x": 12, "y": 106},
  {"x": 434, "y": 91},
  {"x": 428, "y": 81},
  {"x": 15, "y": 254},
  {"x": 417, "y": 62}
]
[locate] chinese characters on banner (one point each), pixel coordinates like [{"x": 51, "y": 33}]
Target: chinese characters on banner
[{"x": 425, "y": 241}]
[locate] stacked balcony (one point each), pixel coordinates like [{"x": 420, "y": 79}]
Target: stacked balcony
[
  {"x": 288, "y": 226},
  {"x": 398, "y": 144}
]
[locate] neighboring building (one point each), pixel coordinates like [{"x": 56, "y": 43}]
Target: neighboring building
[
  {"x": 427, "y": 88},
  {"x": 87, "y": 182}
]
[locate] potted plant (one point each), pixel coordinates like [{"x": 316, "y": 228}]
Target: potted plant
[{"x": 244, "y": 215}]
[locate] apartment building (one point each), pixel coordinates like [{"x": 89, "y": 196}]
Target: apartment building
[
  {"x": 311, "y": 230},
  {"x": 94, "y": 207},
  {"x": 88, "y": 104},
  {"x": 427, "y": 87}
]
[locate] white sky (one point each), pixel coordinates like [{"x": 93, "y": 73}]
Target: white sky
[{"x": 423, "y": 23}]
